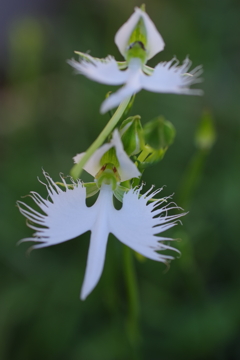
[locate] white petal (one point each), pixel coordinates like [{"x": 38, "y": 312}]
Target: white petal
[
  {"x": 155, "y": 42},
  {"x": 98, "y": 242},
  {"x": 93, "y": 165},
  {"x": 133, "y": 85},
  {"x": 65, "y": 214},
  {"x": 137, "y": 223},
  {"x": 123, "y": 34},
  {"x": 105, "y": 71},
  {"x": 168, "y": 77},
  {"x": 127, "y": 169}
]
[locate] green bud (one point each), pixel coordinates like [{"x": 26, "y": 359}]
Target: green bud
[
  {"x": 132, "y": 135},
  {"x": 155, "y": 156},
  {"x": 149, "y": 158},
  {"x": 205, "y": 135},
  {"x": 159, "y": 133}
]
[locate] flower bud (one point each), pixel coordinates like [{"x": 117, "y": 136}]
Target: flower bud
[
  {"x": 159, "y": 133},
  {"x": 131, "y": 135},
  {"x": 205, "y": 135}
]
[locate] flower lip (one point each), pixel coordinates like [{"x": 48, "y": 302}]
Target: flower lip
[{"x": 64, "y": 215}]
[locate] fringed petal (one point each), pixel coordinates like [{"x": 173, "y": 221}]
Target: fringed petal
[
  {"x": 138, "y": 222},
  {"x": 104, "y": 72},
  {"x": 65, "y": 214},
  {"x": 168, "y": 77}
]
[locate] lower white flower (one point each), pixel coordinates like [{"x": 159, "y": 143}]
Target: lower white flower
[{"x": 64, "y": 215}]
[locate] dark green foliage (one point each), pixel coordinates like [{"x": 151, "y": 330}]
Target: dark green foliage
[{"x": 48, "y": 115}]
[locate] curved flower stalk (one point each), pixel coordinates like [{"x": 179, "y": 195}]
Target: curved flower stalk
[
  {"x": 138, "y": 40},
  {"x": 65, "y": 215}
]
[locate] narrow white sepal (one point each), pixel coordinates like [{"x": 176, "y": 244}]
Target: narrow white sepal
[
  {"x": 104, "y": 71},
  {"x": 127, "y": 169},
  {"x": 155, "y": 42},
  {"x": 93, "y": 165}
]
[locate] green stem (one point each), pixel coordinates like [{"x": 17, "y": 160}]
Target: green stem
[
  {"x": 133, "y": 300},
  {"x": 77, "y": 169},
  {"x": 141, "y": 157},
  {"x": 144, "y": 154}
]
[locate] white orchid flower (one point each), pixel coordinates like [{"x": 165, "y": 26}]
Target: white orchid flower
[
  {"x": 125, "y": 167},
  {"x": 138, "y": 40},
  {"x": 64, "y": 215}
]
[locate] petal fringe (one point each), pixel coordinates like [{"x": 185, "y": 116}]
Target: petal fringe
[
  {"x": 65, "y": 215},
  {"x": 104, "y": 72},
  {"x": 168, "y": 77},
  {"x": 139, "y": 221}
]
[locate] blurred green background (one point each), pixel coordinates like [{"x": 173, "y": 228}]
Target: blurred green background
[{"x": 47, "y": 115}]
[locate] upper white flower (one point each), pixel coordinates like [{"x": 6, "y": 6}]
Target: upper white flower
[
  {"x": 166, "y": 77},
  {"x": 154, "y": 42},
  {"x": 64, "y": 215}
]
